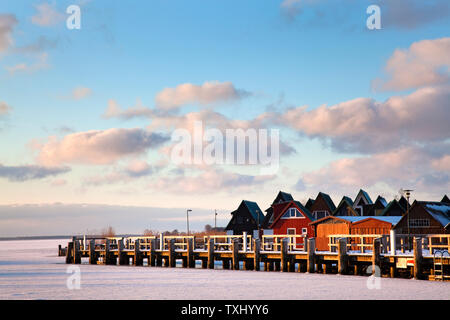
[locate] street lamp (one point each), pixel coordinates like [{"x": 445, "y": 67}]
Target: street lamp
[
  {"x": 187, "y": 219},
  {"x": 215, "y": 220},
  {"x": 408, "y": 194}
]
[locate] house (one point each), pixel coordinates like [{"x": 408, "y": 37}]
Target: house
[
  {"x": 281, "y": 197},
  {"x": 403, "y": 202},
  {"x": 361, "y": 201},
  {"x": 246, "y": 218},
  {"x": 346, "y": 225},
  {"x": 323, "y": 206},
  {"x": 345, "y": 208},
  {"x": 445, "y": 199},
  {"x": 309, "y": 204},
  {"x": 376, "y": 208},
  {"x": 425, "y": 217},
  {"x": 291, "y": 218},
  {"x": 393, "y": 209}
]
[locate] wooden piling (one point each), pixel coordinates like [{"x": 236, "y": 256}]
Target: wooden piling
[
  {"x": 284, "y": 254},
  {"x": 190, "y": 253},
  {"x": 152, "y": 257},
  {"x": 109, "y": 257},
  {"x": 172, "y": 261},
  {"x": 226, "y": 264},
  {"x": 92, "y": 253},
  {"x": 417, "y": 247},
  {"x": 376, "y": 255},
  {"x": 69, "y": 252},
  {"x": 235, "y": 254},
  {"x": 210, "y": 253},
  {"x": 311, "y": 255},
  {"x": 76, "y": 251},
  {"x": 257, "y": 257},
  {"x": 138, "y": 257},
  {"x": 123, "y": 258},
  {"x": 342, "y": 256}
]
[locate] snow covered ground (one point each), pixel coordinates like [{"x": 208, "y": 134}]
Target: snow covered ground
[{"x": 32, "y": 270}]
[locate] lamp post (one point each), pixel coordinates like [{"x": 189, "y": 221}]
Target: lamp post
[
  {"x": 408, "y": 194},
  {"x": 215, "y": 220},
  {"x": 187, "y": 219},
  {"x": 257, "y": 212}
]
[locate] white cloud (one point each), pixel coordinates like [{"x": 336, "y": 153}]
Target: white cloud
[
  {"x": 7, "y": 23},
  {"x": 81, "y": 93}
]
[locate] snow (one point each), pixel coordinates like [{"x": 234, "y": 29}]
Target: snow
[{"x": 30, "y": 269}]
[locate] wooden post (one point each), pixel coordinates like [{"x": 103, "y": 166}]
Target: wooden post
[
  {"x": 172, "y": 260},
  {"x": 235, "y": 254},
  {"x": 417, "y": 247},
  {"x": 92, "y": 253},
  {"x": 311, "y": 255},
  {"x": 190, "y": 253},
  {"x": 376, "y": 252},
  {"x": 123, "y": 258},
  {"x": 138, "y": 259},
  {"x": 76, "y": 251},
  {"x": 257, "y": 257},
  {"x": 284, "y": 254},
  {"x": 108, "y": 259},
  {"x": 342, "y": 256},
  {"x": 152, "y": 258},
  {"x": 266, "y": 265},
  {"x": 204, "y": 263},
  {"x": 226, "y": 264},
  {"x": 277, "y": 265},
  {"x": 210, "y": 253},
  {"x": 69, "y": 252},
  {"x": 244, "y": 241},
  {"x": 161, "y": 241}
]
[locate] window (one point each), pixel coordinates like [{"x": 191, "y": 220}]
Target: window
[
  {"x": 419, "y": 223},
  {"x": 291, "y": 231},
  {"x": 320, "y": 214},
  {"x": 304, "y": 230},
  {"x": 292, "y": 213}
]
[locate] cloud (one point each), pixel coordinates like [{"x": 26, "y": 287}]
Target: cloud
[
  {"x": 30, "y": 172},
  {"x": 408, "y": 166},
  {"x": 4, "y": 108},
  {"x": 210, "y": 181},
  {"x": 47, "y": 15},
  {"x": 113, "y": 110},
  {"x": 98, "y": 146},
  {"x": 365, "y": 125},
  {"x": 207, "y": 94},
  {"x": 40, "y": 64},
  {"x": 424, "y": 63},
  {"x": 7, "y": 24},
  {"x": 442, "y": 164},
  {"x": 81, "y": 93}
]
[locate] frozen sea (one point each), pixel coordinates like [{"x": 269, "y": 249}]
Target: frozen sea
[{"x": 31, "y": 269}]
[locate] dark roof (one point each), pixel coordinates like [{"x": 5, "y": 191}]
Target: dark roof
[
  {"x": 403, "y": 202},
  {"x": 365, "y": 195},
  {"x": 390, "y": 205},
  {"x": 254, "y": 210},
  {"x": 309, "y": 203},
  {"x": 445, "y": 199},
  {"x": 284, "y": 196},
  {"x": 328, "y": 200},
  {"x": 345, "y": 201},
  {"x": 440, "y": 211},
  {"x": 381, "y": 200}
]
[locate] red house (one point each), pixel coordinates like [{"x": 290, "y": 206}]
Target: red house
[{"x": 291, "y": 218}]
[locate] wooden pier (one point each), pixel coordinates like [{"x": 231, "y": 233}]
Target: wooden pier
[{"x": 348, "y": 254}]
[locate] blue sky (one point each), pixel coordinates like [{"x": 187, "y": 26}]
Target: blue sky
[{"x": 286, "y": 54}]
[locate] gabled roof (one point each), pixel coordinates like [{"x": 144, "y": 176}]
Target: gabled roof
[
  {"x": 445, "y": 199},
  {"x": 289, "y": 205},
  {"x": 283, "y": 196},
  {"x": 328, "y": 200},
  {"x": 390, "y": 205},
  {"x": 254, "y": 210},
  {"x": 381, "y": 200},
  {"x": 350, "y": 220},
  {"x": 403, "y": 202},
  {"x": 309, "y": 203},
  {"x": 346, "y": 201},
  {"x": 440, "y": 211},
  {"x": 364, "y": 194}
]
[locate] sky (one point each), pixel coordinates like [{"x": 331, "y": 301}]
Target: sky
[{"x": 88, "y": 115}]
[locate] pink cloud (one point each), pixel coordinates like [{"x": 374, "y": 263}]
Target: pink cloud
[
  {"x": 7, "y": 24},
  {"x": 424, "y": 63},
  {"x": 98, "y": 146}
]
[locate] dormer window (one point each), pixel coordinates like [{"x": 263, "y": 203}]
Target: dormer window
[{"x": 292, "y": 213}]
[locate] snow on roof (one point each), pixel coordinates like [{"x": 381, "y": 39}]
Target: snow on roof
[
  {"x": 439, "y": 211},
  {"x": 393, "y": 220}
]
